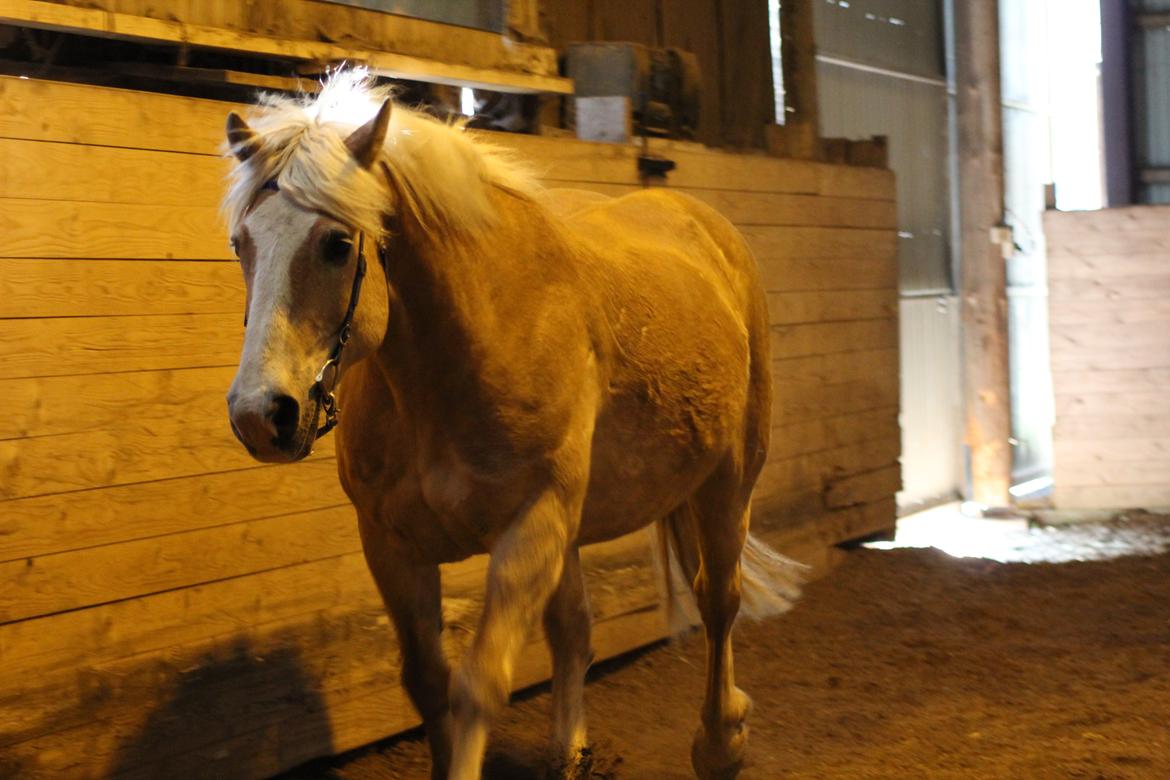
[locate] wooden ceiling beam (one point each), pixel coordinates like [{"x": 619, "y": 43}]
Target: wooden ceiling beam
[{"x": 539, "y": 78}]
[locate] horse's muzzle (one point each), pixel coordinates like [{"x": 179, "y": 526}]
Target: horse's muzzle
[{"x": 270, "y": 426}]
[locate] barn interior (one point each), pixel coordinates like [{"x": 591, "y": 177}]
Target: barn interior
[{"x": 956, "y": 208}]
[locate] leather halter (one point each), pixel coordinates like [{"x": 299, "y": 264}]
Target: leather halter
[
  {"x": 325, "y": 383},
  {"x": 326, "y": 379}
]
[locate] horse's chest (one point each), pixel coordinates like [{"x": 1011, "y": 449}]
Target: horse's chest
[
  {"x": 471, "y": 508},
  {"x": 447, "y": 485}
]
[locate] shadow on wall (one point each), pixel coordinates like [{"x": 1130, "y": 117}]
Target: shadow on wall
[{"x": 234, "y": 715}]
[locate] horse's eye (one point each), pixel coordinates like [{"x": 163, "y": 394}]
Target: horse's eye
[
  {"x": 235, "y": 244},
  {"x": 338, "y": 247}
]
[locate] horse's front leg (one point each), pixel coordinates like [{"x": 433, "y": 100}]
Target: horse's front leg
[
  {"x": 411, "y": 591},
  {"x": 525, "y": 568}
]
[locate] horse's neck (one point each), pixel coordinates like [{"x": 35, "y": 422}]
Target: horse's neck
[{"x": 441, "y": 291}]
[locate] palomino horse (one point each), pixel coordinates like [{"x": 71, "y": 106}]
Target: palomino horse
[{"x": 525, "y": 372}]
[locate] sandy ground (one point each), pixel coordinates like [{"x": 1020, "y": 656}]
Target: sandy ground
[{"x": 904, "y": 663}]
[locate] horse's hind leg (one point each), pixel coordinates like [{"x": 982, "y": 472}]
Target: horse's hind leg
[
  {"x": 412, "y": 595},
  {"x": 722, "y": 519},
  {"x": 567, "y": 627}
]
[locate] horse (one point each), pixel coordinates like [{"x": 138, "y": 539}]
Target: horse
[{"x": 525, "y": 371}]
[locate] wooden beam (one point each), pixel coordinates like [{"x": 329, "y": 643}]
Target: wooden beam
[
  {"x": 799, "y": 133},
  {"x": 107, "y": 24},
  {"x": 748, "y": 104},
  {"x": 984, "y": 272}
]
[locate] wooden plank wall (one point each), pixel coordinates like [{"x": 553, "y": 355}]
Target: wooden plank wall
[
  {"x": 1108, "y": 286},
  {"x": 168, "y": 607}
]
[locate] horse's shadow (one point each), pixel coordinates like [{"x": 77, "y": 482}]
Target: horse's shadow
[{"x": 235, "y": 714}]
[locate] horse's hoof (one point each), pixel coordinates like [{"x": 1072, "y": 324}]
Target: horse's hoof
[
  {"x": 577, "y": 765},
  {"x": 722, "y": 760}
]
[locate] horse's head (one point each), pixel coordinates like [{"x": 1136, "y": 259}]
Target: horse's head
[{"x": 303, "y": 268}]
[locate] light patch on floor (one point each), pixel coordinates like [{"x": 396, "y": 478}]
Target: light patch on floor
[{"x": 962, "y": 531}]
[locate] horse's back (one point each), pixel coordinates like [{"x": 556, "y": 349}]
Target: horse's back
[
  {"x": 565, "y": 201},
  {"x": 652, "y": 226}
]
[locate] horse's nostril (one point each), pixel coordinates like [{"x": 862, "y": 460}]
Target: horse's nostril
[{"x": 285, "y": 415}]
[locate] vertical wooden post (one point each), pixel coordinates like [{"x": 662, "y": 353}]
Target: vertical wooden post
[
  {"x": 747, "y": 102},
  {"x": 799, "y": 136},
  {"x": 987, "y": 393},
  {"x": 798, "y": 53}
]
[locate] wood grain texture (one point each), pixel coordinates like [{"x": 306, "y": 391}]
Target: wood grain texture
[
  {"x": 69, "y": 229},
  {"x": 70, "y": 171},
  {"x": 789, "y": 308},
  {"x": 56, "y": 523},
  {"x": 31, "y": 288},
  {"x": 33, "y": 109},
  {"x": 983, "y": 273},
  {"x": 101, "y": 345},
  {"x": 1109, "y": 280},
  {"x": 72, "y": 580},
  {"x": 818, "y": 338},
  {"x": 810, "y": 436}
]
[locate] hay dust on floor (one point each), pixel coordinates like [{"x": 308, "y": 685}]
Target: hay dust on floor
[{"x": 905, "y": 663}]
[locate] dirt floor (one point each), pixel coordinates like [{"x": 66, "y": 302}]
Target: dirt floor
[{"x": 904, "y": 663}]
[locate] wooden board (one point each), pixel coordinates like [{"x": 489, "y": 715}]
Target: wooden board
[
  {"x": 107, "y": 174},
  {"x": 55, "y": 523},
  {"x": 38, "y": 288},
  {"x": 819, "y": 338},
  {"x": 1109, "y": 281}
]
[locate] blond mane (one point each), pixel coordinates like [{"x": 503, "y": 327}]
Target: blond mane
[{"x": 443, "y": 172}]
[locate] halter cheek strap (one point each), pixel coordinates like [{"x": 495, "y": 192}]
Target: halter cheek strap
[
  {"x": 326, "y": 380},
  {"x": 325, "y": 383}
]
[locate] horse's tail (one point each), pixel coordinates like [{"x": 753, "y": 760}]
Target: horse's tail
[{"x": 770, "y": 582}]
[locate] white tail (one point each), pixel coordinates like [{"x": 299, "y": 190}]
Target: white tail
[{"x": 770, "y": 581}]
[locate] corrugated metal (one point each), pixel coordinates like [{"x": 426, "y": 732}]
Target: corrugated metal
[
  {"x": 881, "y": 71},
  {"x": 913, "y": 114},
  {"x": 900, "y": 35},
  {"x": 931, "y": 415}
]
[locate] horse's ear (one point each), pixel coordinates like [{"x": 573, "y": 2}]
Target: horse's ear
[
  {"x": 242, "y": 139},
  {"x": 365, "y": 142}
]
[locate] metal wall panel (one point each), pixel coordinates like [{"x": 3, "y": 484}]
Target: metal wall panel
[
  {"x": 931, "y": 416},
  {"x": 913, "y": 114},
  {"x": 900, "y": 35},
  {"x": 881, "y": 71}
]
